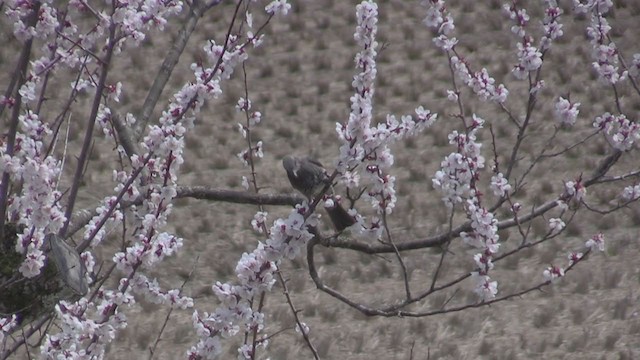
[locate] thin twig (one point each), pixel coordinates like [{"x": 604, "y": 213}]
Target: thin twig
[
  {"x": 294, "y": 311},
  {"x": 152, "y": 349}
]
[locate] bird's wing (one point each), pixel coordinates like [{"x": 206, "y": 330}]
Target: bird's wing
[{"x": 314, "y": 161}]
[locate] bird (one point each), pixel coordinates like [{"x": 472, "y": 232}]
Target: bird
[{"x": 309, "y": 177}]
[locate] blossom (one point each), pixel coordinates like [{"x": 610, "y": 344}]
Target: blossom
[
  {"x": 114, "y": 91},
  {"x": 243, "y": 104},
  {"x": 596, "y": 242},
  {"x": 483, "y": 262},
  {"x": 574, "y": 257},
  {"x": 552, "y": 273},
  {"x": 257, "y": 150},
  {"x": 500, "y": 185},
  {"x": 566, "y": 112},
  {"x": 254, "y": 118},
  {"x": 529, "y": 59},
  {"x": 631, "y": 192},
  {"x": 484, "y": 287},
  {"x": 302, "y": 328},
  {"x": 351, "y": 179},
  {"x": 28, "y": 90},
  {"x": 278, "y": 7},
  {"x": 556, "y": 225},
  {"x": 576, "y": 189},
  {"x": 259, "y": 221}
]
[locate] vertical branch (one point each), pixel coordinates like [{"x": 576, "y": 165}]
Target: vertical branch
[
  {"x": 295, "y": 311},
  {"x": 19, "y": 76},
  {"x": 445, "y": 250},
  {"x": 86, "y": 145},
  {"x": 152, "y": 350},
  {"x": 405, "y": 275},
  {"x": 196, "y": 11}
]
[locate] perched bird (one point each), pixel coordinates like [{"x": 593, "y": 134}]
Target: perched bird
[{"x": 309, "y": 177}]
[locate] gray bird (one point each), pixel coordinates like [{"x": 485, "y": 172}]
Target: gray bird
[{"x": 309, "y": 177}]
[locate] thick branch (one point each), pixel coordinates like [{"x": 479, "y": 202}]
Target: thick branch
[
  {"x": 440, "y": 239},
  {"x": 21, "y": 71},
  {"x": 86, "y": 146},
  {"x": 238, "y": 197},
  {"x": 196, "y": 11}
]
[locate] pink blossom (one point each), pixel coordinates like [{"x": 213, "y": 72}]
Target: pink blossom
[
  {"x": 596, "y": 242},
  {"x": 552, "y": 273},
  {"x": 566, "y": 112},
  {"x": 500, "y": 185},
  {"x": 259, "y": 221},
  {"x": 484, "y": 287},
  {"x": 556, "y": 225},
  {"x": 574, "y": 257},
  {"x": 278, "y": 7},
  {"x": 576, "y": 189},
  {"x": 631, "y": 192}
]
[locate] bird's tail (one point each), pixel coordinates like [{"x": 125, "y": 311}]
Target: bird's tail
[{"x": 340, "y": 217}]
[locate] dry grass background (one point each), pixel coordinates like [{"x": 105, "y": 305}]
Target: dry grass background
[{"x": 301, "y": 82}]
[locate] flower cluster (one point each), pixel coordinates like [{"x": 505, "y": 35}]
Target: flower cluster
[
  {"x": 530, "y": 56},
  {"x": 136, "y": 19},
  {"x": 550, "y": 24},
  {"x": 574, "y": 257},
  {"x": 604, "y": 51},
  {"x": 439, "y": 19},
  {"x": 553, "y": 272},
  {"x": 631, "y": 192},
  {"x": 459, "y": 170},
  {"x": 364, "y": 152},
  {"x": 153, "y": 175},
  {"x": 378, "y": 158},
  {"x": 151, "y": 290},
  {"x": 91, "y": 323},
  {"x": 256, "y": 275},
  {"x": 529, "y": 59},
  {"x": 358, "y": 126},
  {"x": 278, "y": 7},
  {"x": 620, "y": 131},
  {"x": 37, "y": 206},
  {"x": 480, "y": 82},
  {"x": 457, "y": 180}
]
